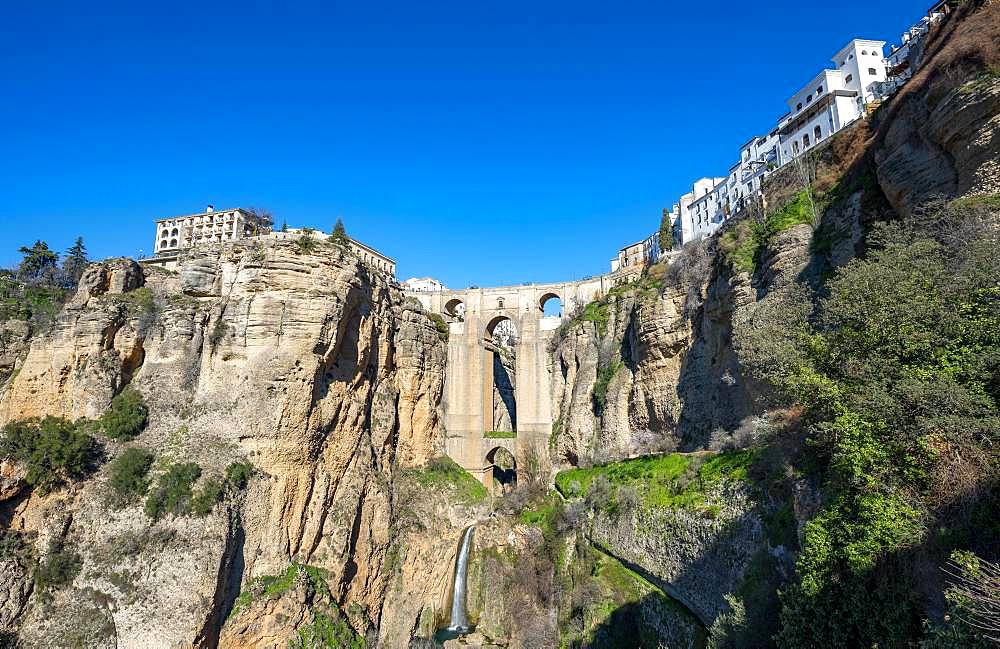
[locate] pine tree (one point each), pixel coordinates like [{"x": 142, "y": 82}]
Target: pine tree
[
  {"x": 339, "y": 234},
  {"x": 38, "y": 260},
  {"x": 76, "y": 260},
  {"x": 284, "y": 226},
  {"x": 666, "y": 232}
]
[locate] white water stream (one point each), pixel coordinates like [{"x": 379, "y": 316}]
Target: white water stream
[{"x": 459, "y": 621}]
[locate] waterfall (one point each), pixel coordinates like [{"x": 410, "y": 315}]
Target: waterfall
[{"x": 459, "y": 622}]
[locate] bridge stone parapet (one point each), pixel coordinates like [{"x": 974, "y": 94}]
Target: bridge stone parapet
[{"x": 470, "y": 395}]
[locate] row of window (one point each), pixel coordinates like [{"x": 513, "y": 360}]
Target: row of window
[{"x": 809, "y": 98}]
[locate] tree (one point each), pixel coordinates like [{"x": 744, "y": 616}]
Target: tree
[
  {"x": 261, "y": 220},
  {"x": 339, "y": 235},
  {"x": 284, "y": 226},
  {"x": 38, "y": 260},
  {"x": 76, "y": 260},
  {"x": 666, "y": 231}
]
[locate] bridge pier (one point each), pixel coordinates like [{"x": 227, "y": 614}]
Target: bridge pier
[{"x": 469, "y": 386}]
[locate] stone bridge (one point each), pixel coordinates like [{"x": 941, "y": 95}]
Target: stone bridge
[{"x": 475, "y": 367}]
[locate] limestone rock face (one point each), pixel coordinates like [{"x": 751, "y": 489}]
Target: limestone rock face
[
  {"x": 943, "y": 150},
  {"x": 700, "y": 558},
  {"x": 669, "y": 375},
  {"x": 307, "y": 365},
  {"x": 15, "y": 338}
]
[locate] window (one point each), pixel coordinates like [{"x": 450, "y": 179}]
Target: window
[
  {"x": 819, "y": 91},
  {"x": 849, "y": 78},
  {"x": 809, "y": 99},
  {"x": 863, "y": 52},
  {"x": 818, "y": 133},
  {"x": 872, "y": 71},
  {"x": 799, "y": 107},
  {"x": 795, "y": 147},
  {"x": 805, "y": 141},
  {"x": 850, "y": 57}
]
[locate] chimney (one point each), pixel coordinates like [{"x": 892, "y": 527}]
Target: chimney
[{"x": 210, "y": 208}]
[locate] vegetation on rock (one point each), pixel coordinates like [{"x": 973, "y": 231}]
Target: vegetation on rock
[
  {"x": 52, "y": 450},
  {"x": 443, "y": 472},
  {"x": 127, "y": 475},
  {"x": 673, "y": 480},
  {"x": 126, "y": 417},
  {"x": 897, "y": 375}
]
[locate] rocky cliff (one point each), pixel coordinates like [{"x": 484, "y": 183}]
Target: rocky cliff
[{"x": 306, "y": 364}]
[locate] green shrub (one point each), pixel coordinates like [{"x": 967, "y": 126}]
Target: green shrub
[
  {"x": 500, "y": 434},
  {"x": 207, "y": 497},
  {"x": 59, "y": 568},
  {"x": 326, "y": 631},
  {"x": 604, "y": 376},
  {"x": 126, "y": 417},
  {"x": 127, "y": 475},
  {"x": 597, "y": 312},
  {"x": 742, "y": 243},
  {"x": 441, "y": 326},
  {"x": 274, "y": 586},
  {"x": 15, "y": 545},
  {"x": 172, "y": 493},
  {"x": 896, "y": 375},
  {"x": 52, "y": 450},
  {"x": 305, "y": 244},
  {"x": 238, "y": 474},
  {"x": 443, "y": 472},
  {"x": 672, "y": 480}
]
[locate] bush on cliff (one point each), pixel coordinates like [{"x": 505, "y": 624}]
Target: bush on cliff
[
  {"x": 443, "y": 472},
  {"x": 52, "y": 450},
  {"x": 173, "y": 491},
  {"x": 897, "y": 377},
  {"x": 126, "y": 417},
  {"x": 127, "y": 475},
  {"x": 59, "y": 568}
]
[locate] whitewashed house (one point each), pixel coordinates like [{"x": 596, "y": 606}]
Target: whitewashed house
[
  {"x": 834, "y": 98},
  {"x": 424, "y": 285}
]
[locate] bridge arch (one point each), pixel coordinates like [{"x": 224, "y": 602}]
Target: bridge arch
[
  {"x": 455, "y": 308},
  {"x": 498, "y": 326},
  {"x": 551, "y": 304},
  {"x": 500, "y": 470},
  {"x": 499, "y": 376}
]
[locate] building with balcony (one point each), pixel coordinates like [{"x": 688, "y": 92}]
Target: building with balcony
[{"x": 177, "y": 233}]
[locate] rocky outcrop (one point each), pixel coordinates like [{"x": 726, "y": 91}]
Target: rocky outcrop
[
  {"x": 664, "y": 365},
  {"x": 700, "y": 555},
  {"x": 939, "y": 137},
  {"x": 308, "y": 365}
]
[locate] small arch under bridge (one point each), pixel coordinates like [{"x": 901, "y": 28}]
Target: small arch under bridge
[{"x": 473, "y": 393}]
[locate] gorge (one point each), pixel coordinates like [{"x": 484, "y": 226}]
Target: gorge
[{"x": 785, "y": 437}]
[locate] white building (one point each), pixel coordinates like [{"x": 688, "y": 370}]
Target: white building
[
  {"x": 702, "y": 209},
  {"x": 177, "y": 233},
  {"x": 759, "y": 156},
  {"x": 834, "y": 98},
  {"x": 424, "y": 285},
  {"x": 210, "y": 226}
]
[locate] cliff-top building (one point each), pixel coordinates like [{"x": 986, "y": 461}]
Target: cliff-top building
[{"x": 177, "y": 233}]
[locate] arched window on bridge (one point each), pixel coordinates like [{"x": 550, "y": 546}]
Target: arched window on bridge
[
  {"x": 501, "y": 470},
  {"x": 455, "y": 309},
  {"x": 499, "y": 405},
  {"x": 551, "y": 305}
]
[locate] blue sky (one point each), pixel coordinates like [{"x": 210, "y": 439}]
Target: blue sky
[{"x": 481, "y": 143}]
